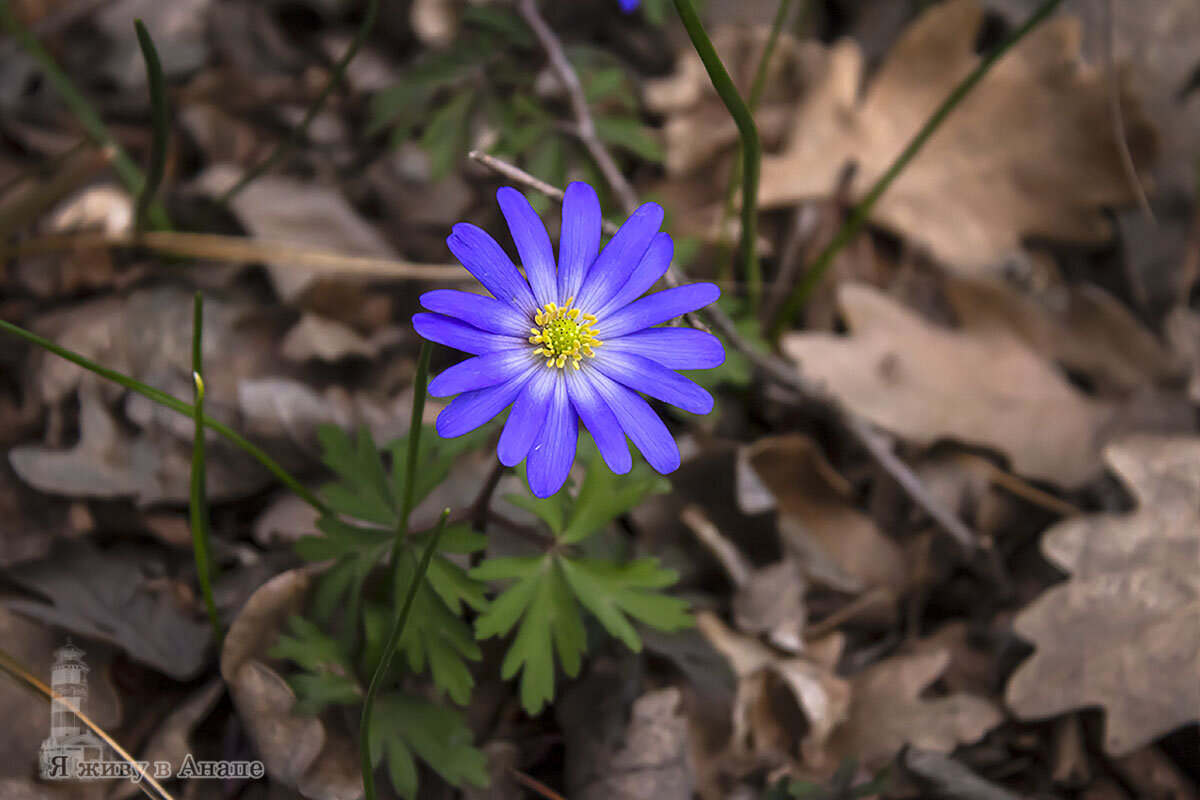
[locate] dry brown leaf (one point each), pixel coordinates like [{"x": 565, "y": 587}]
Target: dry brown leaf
[
  {"x": 649, "y": 757},
  {"x": 298, "y": 751},
  {"x": 806, "y": 487},
  {"x": 282, "y": 208},
  {"x": 1122, "y": 632},
  {"x": 762, "y": 728},
  {"x": 1081, "y": 326},
  {"x": 1029, "y": 152},
  {"x": 1183, "y": 331},
  {"x": 982, "y": 387},
  {"x": 889, "y": 712}
]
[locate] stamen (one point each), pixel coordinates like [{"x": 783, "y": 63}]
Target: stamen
[{"x": 565, "y": 334}]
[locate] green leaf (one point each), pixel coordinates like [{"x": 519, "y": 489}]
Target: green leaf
[
  {"x": 604, "y": 496},
  {"x": 551, "y": 510},
  {"x": 613, "y": 592},
  {"x": 445, "y": 136},
  {"x": 629, "y": 134},
  {"x": 549, "y": 623},
  {"x": 403, "y": 725},
  {"x": 327, "y": 677},
  {"x": 435, "y": 635},
  {"x": 502, "y": 21},
  {"x": 362, "y": 489},
  {"x": 315, "y": 692}
]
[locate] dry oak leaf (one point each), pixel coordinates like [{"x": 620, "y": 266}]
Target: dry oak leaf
[
  {"x": 1124, "y": 631},
  {"x": 925, "y": 382},
  {"x": 1029, "y": 152},
  {"x": 889, "y": 712}
]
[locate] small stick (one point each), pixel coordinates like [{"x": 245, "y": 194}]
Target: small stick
[{"x": 585, "y": 126}]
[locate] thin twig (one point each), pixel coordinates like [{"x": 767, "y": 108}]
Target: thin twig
[
  {"x": 478, "y": 513},
  {"x": 534, "y": 785},
  {"x": 242, "y": 250},
  {"x": 785, "y": 374},
  {"x": 585, "y": 126}
]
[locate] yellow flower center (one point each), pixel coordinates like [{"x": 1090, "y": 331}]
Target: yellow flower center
[{"x": 564, "y": 333}]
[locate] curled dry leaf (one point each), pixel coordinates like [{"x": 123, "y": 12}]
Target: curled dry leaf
[
  {"x": 1030, "y": 152},
  {"x": 763, "y": 730},
  {"x": 982, "y": 387},
  {"x": 1121, "y": 632},
  {"x": 297, "y": 751}
]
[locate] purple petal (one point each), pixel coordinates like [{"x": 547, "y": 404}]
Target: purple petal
[
  {"x": 653, "y": 266},
  {"x": 527, "y": 417},
  {"x": 656, "y": 308},
  {"x": 553, "y": 452},
  {"x": 485, "y": 313},
  {"x": 640, "y": 423},
  {"x": 674, "y": 348},
  {"x": 461, "y": 336},
  {"x": 579, "y": 243},
  {"x": 486, "y": 260},
  {"x": 532, "y": 241},
  {"x": 471, "y": 409},
  {"x": 629, "y": 5},
  {"x": 650, "y": 377},
  {"x": 480, "y": 372},
  {"x": 620, "y": 257},
  {"x": 598, "y": 418}
]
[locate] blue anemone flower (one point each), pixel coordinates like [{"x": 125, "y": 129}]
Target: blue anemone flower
[
  {"x": 629, "y": 5},
  {"x": 572, "y": 343}
]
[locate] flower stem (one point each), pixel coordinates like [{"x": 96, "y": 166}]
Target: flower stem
[
  {"x": 197, "y": 494},
  {"x": 813, "y": 277},
  {"x": 389, "y": 650},
  {"x": 748, "y": 134},
  {"x": 756, "y": 91}
]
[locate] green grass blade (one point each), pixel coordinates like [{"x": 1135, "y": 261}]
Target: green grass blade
[
  {"x": 725, "y": 266},
  {"x": 88, "y": 119},
  {"x": 297, "y": 133},
  {"x": 159, "y": 123},
  {"x": 198, "y": 494},
  {"x": 420, "y": 381},
  {"x": 389, "y": 650},
  {"x": 816, "y": 273},
  {"x": 750, "y": 143},
  {"x": 173, "y": 403}
]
